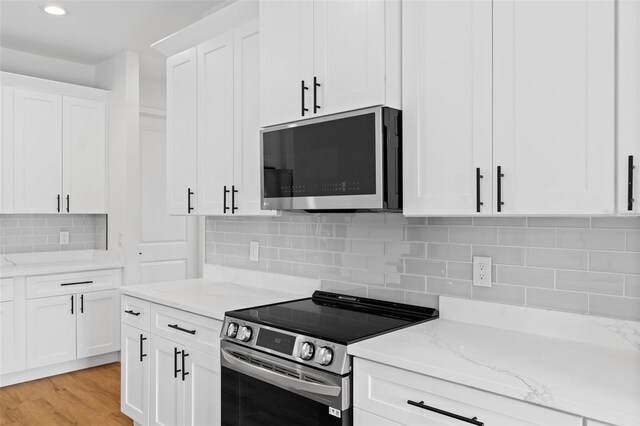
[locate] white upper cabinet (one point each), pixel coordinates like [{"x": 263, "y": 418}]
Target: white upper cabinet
[
  {"x": 84, "y": 153},
  {"x": 553, "y": 106},
  {"x": 484, "y": 88},
  {"x": 37, "y": 149},
  {"x": 286, "y": 60},
  {"x": 54, "y": 147},
  {"x": 629, "y": 107},
  {"x": 182, "y": 143},
  {"x": 447, "y": 107},
  {"x": 322, "y": 57},
  {"x": 215, "y": 123}
]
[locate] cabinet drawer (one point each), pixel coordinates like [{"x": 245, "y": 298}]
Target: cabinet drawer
[
  {"x": 76, "y": 282},
  {"x": 135, "y": 312},
  {"x": 189, "y": 329},
  {"x": 386, "y": 391},
  {"x": 6, "y": 289}
]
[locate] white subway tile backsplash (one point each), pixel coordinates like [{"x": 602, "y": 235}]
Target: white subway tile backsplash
[
  {"x": 549, "y": 262},
  {"x": 611, "y": 306},
  {"x": 29, "y": 233}
]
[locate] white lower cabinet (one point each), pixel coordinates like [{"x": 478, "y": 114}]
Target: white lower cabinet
[
  {"x": 98, "y": 328},
  {"x": 408, "y": 398},
  {"x": 134, "y": 368},
  {"x": 365, "y": 418},
  {"x": 7, "y": 336},
  {"x": 168, "y": 382}
]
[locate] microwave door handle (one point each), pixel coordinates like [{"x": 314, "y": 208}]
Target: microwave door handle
[{"x": 290, "y": 383}]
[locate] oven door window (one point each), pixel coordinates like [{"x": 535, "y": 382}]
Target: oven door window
[
  {"x": 247, "y": 401},
  {"x": 329, "y": 158}
]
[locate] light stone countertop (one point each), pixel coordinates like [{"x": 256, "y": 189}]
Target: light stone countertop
[
  {"x": 584, "y": 365},
  {"x": 57, "y": 262},
  {"x": 206, "y": 296}
]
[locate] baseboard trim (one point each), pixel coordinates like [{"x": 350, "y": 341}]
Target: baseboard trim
[{"x": 53, "y": 370}]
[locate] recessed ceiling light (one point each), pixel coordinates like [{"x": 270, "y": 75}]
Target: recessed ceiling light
[{"x": 54, "y": 10}]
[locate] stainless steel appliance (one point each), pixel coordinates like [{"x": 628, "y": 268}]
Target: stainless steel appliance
[
  {"x": 286, "y": 364},
  {"x": 347, "y": 161}
]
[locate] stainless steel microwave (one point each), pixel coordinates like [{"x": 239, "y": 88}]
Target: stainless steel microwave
[{"x": 347, "y": 161}]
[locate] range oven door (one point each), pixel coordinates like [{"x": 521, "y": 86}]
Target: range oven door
[{"x": 262, "y": 390}]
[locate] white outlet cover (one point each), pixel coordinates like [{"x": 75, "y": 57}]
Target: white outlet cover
[
  {"x": 254, "y": 248},
  {"x": 482, "y": 271},
  {"x": 64, "y": 238}
]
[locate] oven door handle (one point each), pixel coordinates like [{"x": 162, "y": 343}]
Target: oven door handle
[{"x": 274, "y": 377}]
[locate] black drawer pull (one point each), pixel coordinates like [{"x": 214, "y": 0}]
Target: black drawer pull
[
  {"x": 142, "y": 339},
  {"x": 189, "y": 194},
  {"x": 82, "y": 303},
  {"x": 78, "y": 283},
  {"x": 175, "y": 363},
  {"x": 181, "y": 329},
  {"x": 130, "y": 312},
  {"x": 184, "y": 373},
  {"x": 422, "y": 405},
  {"x": 630, "y": 199}
]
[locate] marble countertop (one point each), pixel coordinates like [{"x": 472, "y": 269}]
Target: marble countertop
[
  {"x": 54, "y": 263},
  {"x": 206, "y": 296},
  {"x": 584, "y": 365}
]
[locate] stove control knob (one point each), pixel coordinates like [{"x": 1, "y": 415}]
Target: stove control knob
[
  {"x": 306, "y": 351},
  {"x": 325, "y": 356},
  {"x": 245, "y": 333},
  {"x": 232, "y": 330}
]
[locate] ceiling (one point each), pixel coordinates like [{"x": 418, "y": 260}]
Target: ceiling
[{"x": 94, "y": 30}]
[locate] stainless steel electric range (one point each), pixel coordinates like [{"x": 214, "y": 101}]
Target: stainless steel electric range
[{"x": 287, "y": 364}]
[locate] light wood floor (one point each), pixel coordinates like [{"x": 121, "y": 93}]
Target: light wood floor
[{"x": 86, "y": 397}]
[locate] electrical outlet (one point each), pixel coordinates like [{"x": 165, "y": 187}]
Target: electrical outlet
[
  {"x": 254, "y": 247},
  {"x": 482, "y": 271},
  {"x": 64, "y": 238}
]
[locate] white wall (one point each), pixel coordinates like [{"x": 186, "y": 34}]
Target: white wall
[{"x": 18, "y": 62}]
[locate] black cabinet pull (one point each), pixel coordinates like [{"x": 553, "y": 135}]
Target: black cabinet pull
[
  {"x": 130, "y": 312},
  {"x": 184, "y": 373},
  {"x": 82, "y": 303},
  {"x": 67, "y": 203},
  {"x": 58, "y": 197},
  {"x": 630, "y": 199},
  {"x": 478, "y": 202},
  {"x": 422, "y": 405},
  {"x": 224, "y": 204},
  {"x": 303, "y": 88},
  {"x": 189, "y": 194},
  {"x": 234, "y": 191},
  {"x": 142, "y": 339},
  {"x": 72, "y": 304},
  {"x": 175, "y": 363},
  {"x": 316, "y": 107},
  {"x": 500, "y": 176},
  {"x": 177, "y": 327},
  {"x": 76, "y": 283}
]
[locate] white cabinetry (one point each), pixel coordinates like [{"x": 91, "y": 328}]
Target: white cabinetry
[
  {"x": 177, "y": 380},
  {"x": 51, "y": 330},
  {"x": 545, "y": 115},
  {"x": 134, "y": 383},
  {"x": 412, "y": 399},
  {"x": 213, "y": 134},
  {"x": 98, "y": 328},
  {"x": 321, "y": 57},
  {"x": 7, "y": 338},
  {"x": 628, "y": 107},
  {"x": 53, "y": 147}
]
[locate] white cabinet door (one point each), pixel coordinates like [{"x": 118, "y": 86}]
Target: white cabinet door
[
  {"x": 51, "y": 330},
  {"x": 7, "y": 338},
  {"x": 215, "y": 124},
  {"x": 182, "y": 143},
  {"x": 134, "y": 374},
  {"x": 246, "y": 112},
  {"x": 286, "y": 60},
  {"x": 202, "y": 388},
  {"x": 98, "y": 323},
  {"x": 349, "y": 55},
  {"x": 628, "y": 106},
  {"x": 553, "y": 106},
  {"x": 365, "y": 418},
  {"x": 447, "y": 107},
  {"x": 37, "y": 152},
  {"x": 167, "y": 388},
  {"x": 84, "y": 155}
]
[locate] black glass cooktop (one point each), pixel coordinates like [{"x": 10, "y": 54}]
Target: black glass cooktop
[{"x": 337, "y": 318}]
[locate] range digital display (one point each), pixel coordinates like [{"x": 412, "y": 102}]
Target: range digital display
[{"x": 275, "y": 341}]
